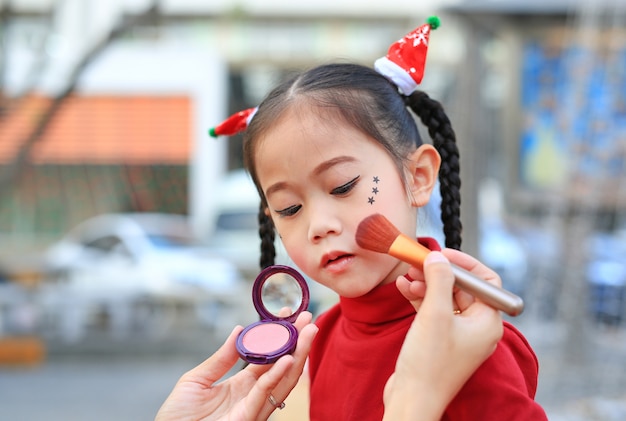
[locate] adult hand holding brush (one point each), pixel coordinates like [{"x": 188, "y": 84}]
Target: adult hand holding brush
[
  {"x": 377, "y": 234},
  {"x": 441, "y": 350}
]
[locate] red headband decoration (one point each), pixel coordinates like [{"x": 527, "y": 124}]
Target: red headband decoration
[
  {"x": 234, "y": 124},
  {"x": 406, "y": 58}
]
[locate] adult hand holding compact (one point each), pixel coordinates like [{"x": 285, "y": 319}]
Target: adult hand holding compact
[
  {"x": 244, "y": 396},
  {"x": 443, "y": 347}
]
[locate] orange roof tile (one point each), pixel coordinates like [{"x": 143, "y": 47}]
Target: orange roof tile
[{"x": 104, "y": 129}]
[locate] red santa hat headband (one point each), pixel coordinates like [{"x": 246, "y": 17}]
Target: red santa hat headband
[
  {"x": 403, "y": 65},
  {"x": 406, "y": 58}
]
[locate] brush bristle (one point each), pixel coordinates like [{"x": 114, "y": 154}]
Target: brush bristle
[{"x": 376, "y": 233}]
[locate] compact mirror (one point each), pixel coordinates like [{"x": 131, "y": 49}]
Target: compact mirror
[{"x": 279, "y": 294}]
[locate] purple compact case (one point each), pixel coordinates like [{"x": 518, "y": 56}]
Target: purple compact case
[{"x": 276, "y": 289}]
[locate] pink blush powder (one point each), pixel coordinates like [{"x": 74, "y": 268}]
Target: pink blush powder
[{"x": 265, "y": 338}]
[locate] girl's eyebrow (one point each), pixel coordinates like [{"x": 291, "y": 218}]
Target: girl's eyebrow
[
  {"x": 322, "y": 167},
  {"x": 275, "y": 187},
  {"x": 326, "y": 165}
]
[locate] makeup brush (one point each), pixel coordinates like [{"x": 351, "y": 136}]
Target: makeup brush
[{"x": 377, "y": 233}]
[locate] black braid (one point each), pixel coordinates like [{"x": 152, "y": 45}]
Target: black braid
[
  {"x": 267, "y": 234},
  {"x": 433, "y": 116}
]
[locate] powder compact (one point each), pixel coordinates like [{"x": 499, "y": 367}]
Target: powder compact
[{"x": 279, "y": 294}]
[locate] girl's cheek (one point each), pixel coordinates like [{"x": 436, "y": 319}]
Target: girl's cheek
[
  {"x": 295, "y": 251},
  {"x": 298, "y": 257}
]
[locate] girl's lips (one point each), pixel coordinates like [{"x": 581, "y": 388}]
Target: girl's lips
[{"x": 336, "y": 261}]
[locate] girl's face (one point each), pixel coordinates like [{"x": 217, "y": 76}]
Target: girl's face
[{"x": 321, "y": 177}]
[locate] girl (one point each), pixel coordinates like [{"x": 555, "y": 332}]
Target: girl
[{"x": 327, "y": 149}]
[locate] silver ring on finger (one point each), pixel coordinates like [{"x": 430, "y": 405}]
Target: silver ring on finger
[{"x": 275, "y": 404}]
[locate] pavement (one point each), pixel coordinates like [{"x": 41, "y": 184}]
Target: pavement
[
  {"x": 89, "y": 389},
  {"x": 586, "y": 382},
  {"x": 129, "y": 378}
]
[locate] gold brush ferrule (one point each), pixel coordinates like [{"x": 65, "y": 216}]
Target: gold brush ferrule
[{"x": 408, "y": 250}]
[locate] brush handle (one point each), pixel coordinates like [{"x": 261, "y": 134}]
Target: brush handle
[
  {"x": 490, "y": 294},
  {"x": 410, "y": 251}
]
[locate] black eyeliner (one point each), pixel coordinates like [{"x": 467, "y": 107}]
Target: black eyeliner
[{"x": 346, "y": 188}]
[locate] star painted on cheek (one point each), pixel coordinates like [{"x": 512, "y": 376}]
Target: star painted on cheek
[{"x": 370, "y": 199}]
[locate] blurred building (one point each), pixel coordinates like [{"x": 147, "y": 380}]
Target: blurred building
[
  {"x": 550, "y": 78},
  {"x": 146, "y": 84},
  {"x": 559, "y": 69}
]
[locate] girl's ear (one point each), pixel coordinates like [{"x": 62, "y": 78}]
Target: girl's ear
[{"x": 422, "y": 173}]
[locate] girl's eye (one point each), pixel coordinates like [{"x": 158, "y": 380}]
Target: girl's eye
[
  {"x": 345, "y": 188},
  {"x": 290, "y": 211}
]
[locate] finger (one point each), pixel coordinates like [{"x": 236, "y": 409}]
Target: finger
[
  {"x": 217, "y": 365},
  {"x": 484, "y": 322},
  {"x": 412, "y": 290},
  {"x": 257, "y": 398},
  {"x": 463, "y": 299},
  {"x": 439, "y": 283},
  {"x": 285, "y": 312},
  {"x": 291, "y": 377},
  {"x": 415, "y": 274},
  {"x": 303, "y": 319},
  {"x": 303, "y": 347},
  {"x": 305, "y": 340},
  {"x": 473, "y": 265}
]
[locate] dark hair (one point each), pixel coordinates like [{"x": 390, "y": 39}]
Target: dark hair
[{"x": 372, "y": 104}]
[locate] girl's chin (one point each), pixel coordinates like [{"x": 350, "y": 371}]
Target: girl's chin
[
  {"x": 351, "y": 290},
  {"x": 354, "y": 282}
]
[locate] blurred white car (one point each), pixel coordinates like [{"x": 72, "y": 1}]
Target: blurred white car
[
  {"x": 150, "y": 253},
  {"x": 117, "y": 260}
]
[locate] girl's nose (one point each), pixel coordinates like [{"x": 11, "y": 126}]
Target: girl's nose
[{"x": 323, "y": 223}]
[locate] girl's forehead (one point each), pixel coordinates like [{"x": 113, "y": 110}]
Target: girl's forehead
[{"x": 311, "y": 132}]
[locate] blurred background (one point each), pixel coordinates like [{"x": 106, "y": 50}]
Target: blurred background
[{"x": 128, "y": 237}]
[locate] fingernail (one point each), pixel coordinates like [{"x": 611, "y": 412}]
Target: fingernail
[{"x": 435, "y": 257}]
